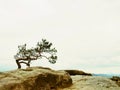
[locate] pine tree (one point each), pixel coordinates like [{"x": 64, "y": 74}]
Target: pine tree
[{"x": 42, "y": 49}]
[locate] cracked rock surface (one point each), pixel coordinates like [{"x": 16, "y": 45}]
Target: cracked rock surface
[{"x": 81, "y": 82}]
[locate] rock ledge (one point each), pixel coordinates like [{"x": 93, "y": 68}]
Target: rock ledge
[{"x": 34, "y": 78}]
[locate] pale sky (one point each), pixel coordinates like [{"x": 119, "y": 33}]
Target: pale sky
[{"x": 85, "y": 32}]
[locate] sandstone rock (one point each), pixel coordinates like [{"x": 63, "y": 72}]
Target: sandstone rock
[
  {"x": 82, "y": 82},
  {"x": 34, "y": 78},
  {"x": 116, "y": 79},
  {"x": 77, "y": 72}
]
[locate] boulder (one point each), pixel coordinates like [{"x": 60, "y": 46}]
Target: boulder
[
  {"x": 116, "y": 79},
  {"x": 34, "y": 78}
]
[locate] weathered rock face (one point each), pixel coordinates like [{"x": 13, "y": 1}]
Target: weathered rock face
[
  {"x": 78, "y": 72},
  {"x": 82, "y": 82},
  {"x": 35, "y": 78}
]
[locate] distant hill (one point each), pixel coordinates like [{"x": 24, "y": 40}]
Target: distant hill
[{"x": 106, "y": 75}]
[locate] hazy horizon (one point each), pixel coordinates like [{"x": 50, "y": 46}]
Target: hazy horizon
[{"x": 85, "y": 32}]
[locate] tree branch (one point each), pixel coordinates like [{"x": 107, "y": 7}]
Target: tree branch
[
  {"x": 26, "y": 59},
  {"x": 45, "y": 57}
]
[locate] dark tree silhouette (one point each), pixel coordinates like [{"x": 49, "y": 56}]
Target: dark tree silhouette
[{"x": 42, "y": 49}]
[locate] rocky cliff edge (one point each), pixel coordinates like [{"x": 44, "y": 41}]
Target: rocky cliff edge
[{"x": 34, "y": 78}]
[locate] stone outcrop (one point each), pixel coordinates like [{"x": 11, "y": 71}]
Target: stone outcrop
[
  {"x": 34, "y": 78},
  {"x": 116, "y": 79},
  {"x": 82, "y": 82},
  {"x": 78, "y": 72}
]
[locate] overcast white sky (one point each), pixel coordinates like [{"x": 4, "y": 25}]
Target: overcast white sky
[{"x": 85, "y": 32}]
